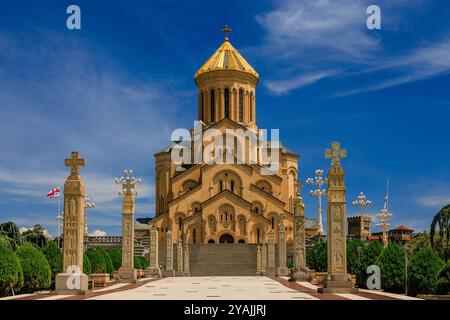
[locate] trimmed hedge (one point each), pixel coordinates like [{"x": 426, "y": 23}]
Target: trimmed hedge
[
  {"x": 392, "y": 264},
  {"x": 36, "y": 269},
  {"x": 97, "y": 260},
  {"x": 369, "y": 257},
  {"x": 423, "y": 272},
  {"x": 6, "y": 242},
  {"x": 54, "y": 257},
  {"x": 140, "y": 262},
  {"x": 355, "y": 265},
  {"x": 116, "y": 258},
  {"x": 316, "y": 257},
  {"x": 108, "y": 262},
  {"x": 11, "y": 276},
  {"x": 86, "y": 265}
]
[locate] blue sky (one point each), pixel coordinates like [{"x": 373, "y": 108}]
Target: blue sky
[{"x": 115, "y": 90}]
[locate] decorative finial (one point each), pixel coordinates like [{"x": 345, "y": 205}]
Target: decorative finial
[{"x": 226, "y": 29}]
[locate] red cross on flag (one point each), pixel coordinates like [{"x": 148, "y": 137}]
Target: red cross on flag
[{"x": 53, "y": 193}]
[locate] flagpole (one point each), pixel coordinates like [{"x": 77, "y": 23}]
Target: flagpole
[{"x": 59, "y": 220}]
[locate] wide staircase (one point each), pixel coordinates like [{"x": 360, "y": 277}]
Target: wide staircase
[{"x": 224, "y": 259}]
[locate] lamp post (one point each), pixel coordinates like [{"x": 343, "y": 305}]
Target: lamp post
[
  {"x": 406, "y": 247},
  {"x": 383, "y": 218},
  {"x": 318, "y": 192},
  {"x": 361, "y": 202}
]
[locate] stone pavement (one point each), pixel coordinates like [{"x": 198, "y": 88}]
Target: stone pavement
[{"x": 216, "y": 288}]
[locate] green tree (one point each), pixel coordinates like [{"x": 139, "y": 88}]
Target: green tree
[
  {"x": 441, "y": 224},
  {"x": 423, "y": 272},
  {"x": 369, "y": 257},
  {"x": 354, "y": 258},
  {"x": 419, "y": 241},
  {"x": 443, "y": 285},
  {"x": 140, "y": 262},
  {"x": 392, "y": 264},
  {"x": 97, "y": 260},
  {"x": 11, "y": 276},
  {"x": 108, "y": 262},
  {"x": 35, "y": 267},
  {"x": 116, "y": 258},
  {"x": 86, "y": 265},
  {"x": 10, "y": 230},
  {"x": 54, "y": 258},
  {"x": 36, "y": 235},
  {"x": 316, "y": 257},
  {"x": 6, "y": 242}
]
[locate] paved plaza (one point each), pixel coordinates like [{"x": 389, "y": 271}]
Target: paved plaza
[{"x": 215, "y": 288}]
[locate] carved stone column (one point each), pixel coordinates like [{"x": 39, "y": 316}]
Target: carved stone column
[
  {"x": 186, "y": 271},
  {"x": 271, "y": 270},
  {"x": 299, "y": 233},
  {"x": 338, "y": 280},
  {"x": 258, "y": 261},
  {"x": 263, "y": 258},
  {"x": 154, "y": 270},
  {"x": 282, "y": 269},
  {"x": 127, "y": 273},
  {"x": 72, "y": 280},
  {"x": 179, "y": 272},
  {"x": 169, "y": 255}
]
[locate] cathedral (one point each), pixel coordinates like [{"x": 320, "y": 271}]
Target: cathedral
[{"x": 220, "y": 202}]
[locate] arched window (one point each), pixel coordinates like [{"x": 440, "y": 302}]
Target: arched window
[
  {"x": 273, "y": 223},
  {"x": 179, "y": 223},
  {"x": 193, "y": 236},
  {"x": 213, "y": 105},
  {"x": 227, "y": 102},
  {"x": 257, "y": 235},
  {"x": 232, "y": 186},
  {"x": 251, "y": 106},
  {"x": 241, "y": 105}
]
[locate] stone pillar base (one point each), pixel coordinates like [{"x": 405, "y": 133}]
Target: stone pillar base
[
  {"x": 186, "y": 274},
  {"x": 127, "y": 275},
  {"x": 169, "y": 273},
  {"x": 179, "y": 274},
  {"x": 154, "y": 272},
  {"x": 271, "y": 271},
  {"x": 337, "y": 283},
  {"x": 282, "y": 271},
  {"x": 65, "y": 281}
]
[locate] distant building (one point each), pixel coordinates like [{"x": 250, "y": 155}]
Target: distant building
[
  {"x": 400, "y": 235},
  {"x": 358, "y": 227}
]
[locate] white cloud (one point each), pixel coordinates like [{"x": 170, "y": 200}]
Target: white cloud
[
  {"x": 98, "y": 233},
  {"x": 284, "y": 86},
  {"x": 44, "y": 231}
]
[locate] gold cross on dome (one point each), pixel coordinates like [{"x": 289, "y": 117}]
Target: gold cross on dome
[
  {"x": 226, "y": 29},
  {"x": 74, "y": 163},
  {"x": 335, "y": 153}
]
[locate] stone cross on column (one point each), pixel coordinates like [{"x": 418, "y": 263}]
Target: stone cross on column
[
  {"x": 271, "y": 270},
  {"x": 282, "y": 270},
  {"x": 169, "y": 255},
  {"x": 73, "y": 233},
  {"x": 154, "y": 270},
  {"x": 337, "y": 280}
]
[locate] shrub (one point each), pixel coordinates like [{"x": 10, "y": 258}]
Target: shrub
[
  {"x": 86, "y": 265},
  {"x": 10, "y": 230},
  {"x": 35, "y": 267},
  {"x": 116, "y": 258},
  {"x": 11, "y": 276},
  {"x": 97, "y": 260},
  {"x": 369, "y": 256},
  {"x": 355, "y": 258},
  {"x": 140, "y": 262},
  {"x": 443, "y": 284},
  {"x": 5, "y": 242},
  {"x": 54, "y": 257},
  {"x": 108, "y": 262},
  {"x": 392, "y": 264},
  {"x": 316, "y": 257},
  {"x": 423, "y": 272}
]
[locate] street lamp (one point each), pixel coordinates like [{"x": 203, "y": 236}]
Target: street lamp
[
  {"x": 383, "y": 217},
  {"x": 318, "y": 192},
  {"x": 361, "y": 203},
  {"x": 128, "y": 182},
  {"x": 406, "y": 247},
  {"x": 87, "y": 205}
]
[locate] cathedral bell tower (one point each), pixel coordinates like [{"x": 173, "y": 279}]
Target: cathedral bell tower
[{"x": 226, "y": 87}]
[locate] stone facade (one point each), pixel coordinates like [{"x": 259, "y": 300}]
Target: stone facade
[{"x": 218, "y": 203}]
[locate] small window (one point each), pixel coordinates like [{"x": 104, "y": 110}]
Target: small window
[
  {"x": 232, "y": 186},
  {"x": 227, "y": 103},
  {"x": 221, "y": 185},
  {"x": 241, "y": 105},
  {"x": 251, "y": 107},
  {"x": 213, "y": 106}
]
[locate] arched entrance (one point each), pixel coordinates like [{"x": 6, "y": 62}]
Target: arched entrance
[{"x": 226, "y": 238}]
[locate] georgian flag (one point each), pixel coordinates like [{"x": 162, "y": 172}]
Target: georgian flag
[{"x": 53, "y": 193}]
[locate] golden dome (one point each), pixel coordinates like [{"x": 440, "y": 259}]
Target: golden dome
[{"x": 226, "y": 58}]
